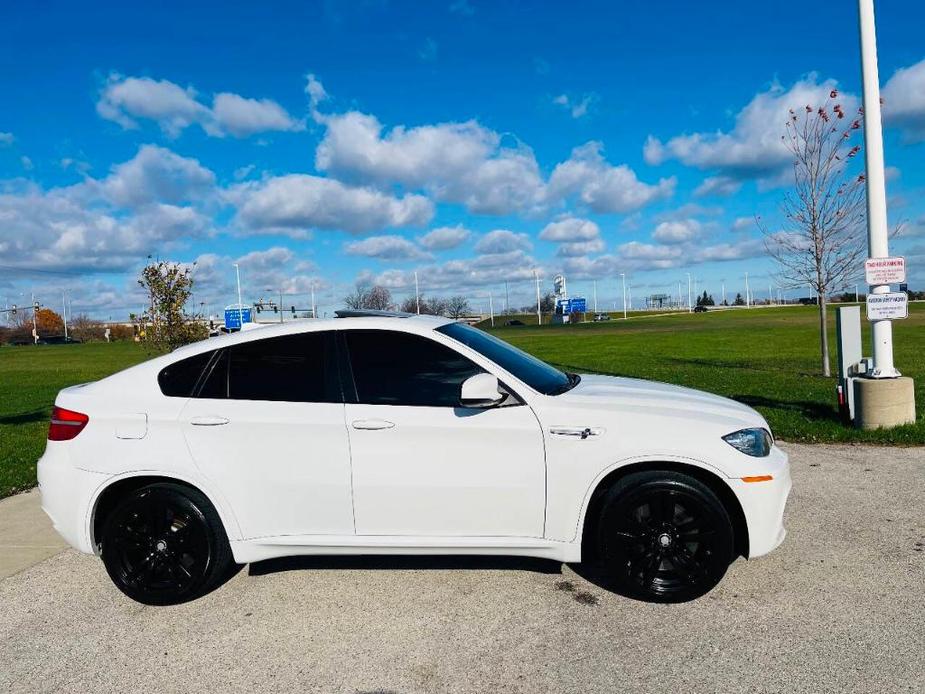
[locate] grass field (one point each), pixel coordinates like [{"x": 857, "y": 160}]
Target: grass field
[{"x": 766, "y": 358}]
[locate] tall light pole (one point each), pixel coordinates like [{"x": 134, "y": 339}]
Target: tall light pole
[
  {"x": 595, "y": 295},
  {"x": 417, "y": 294},
  {"x": 64, "y": 313},
  {"x": 724, "y": 292},
  {"x": 689, "y": 303},
  {"x": 35, "y": 329},
  {"x": 491, "y": 310},
  {"x": 623, "y": 278},
  {"x": 314, "y": 310},
  {"x": 237, "y": 272},
  {"x": 877, "y": 237},
  {"x": 748, "y": 298},
  {"x": 539, "y": 315}
]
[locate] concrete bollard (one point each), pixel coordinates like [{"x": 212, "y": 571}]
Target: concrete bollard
[{"x": 883, "y": 402}]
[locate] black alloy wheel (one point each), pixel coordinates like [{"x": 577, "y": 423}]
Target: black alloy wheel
[
  {"x": 164, "y": 544},
  {"x": 664, "y": 537}
]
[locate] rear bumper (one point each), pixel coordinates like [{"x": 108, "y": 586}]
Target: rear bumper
[
  {"x": 66, "y": 495},
  {"x": 763, "y": 504}
]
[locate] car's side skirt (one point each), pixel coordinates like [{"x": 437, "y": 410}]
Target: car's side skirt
[{"x": 246, "y": 551}]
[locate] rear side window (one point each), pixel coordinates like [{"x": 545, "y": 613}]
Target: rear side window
[
  {"x": 291, "y": 368},
  {"x": 180, "y": 378},
  {"x": 392, "y": 368}
]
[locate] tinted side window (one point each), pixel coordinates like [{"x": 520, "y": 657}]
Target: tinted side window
[
  {"x": 179, "y": 379},
  {"x": 291, "y": 368},
  {"x": 391, "y": 368}
]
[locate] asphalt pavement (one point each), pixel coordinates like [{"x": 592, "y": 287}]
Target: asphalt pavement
[{"x": 839, "y": 607}]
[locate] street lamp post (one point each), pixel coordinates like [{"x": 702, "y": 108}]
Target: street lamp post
[
  {"x": 623, "y": 278},
  {"x": 237, "y": 272}
]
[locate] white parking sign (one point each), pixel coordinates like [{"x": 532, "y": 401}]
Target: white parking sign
[
  {"x": 891, "y": 306},
  {"x": 880, "y": 271}
]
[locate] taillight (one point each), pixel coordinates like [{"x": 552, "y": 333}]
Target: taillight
[{"x": 66, "y": 424}]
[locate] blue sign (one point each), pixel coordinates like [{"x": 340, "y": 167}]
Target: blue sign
[
  {"x": 234, "y": 316},
  {"x": 576, "y": 305}
]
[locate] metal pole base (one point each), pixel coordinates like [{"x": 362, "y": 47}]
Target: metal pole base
[{"x": 884, "y": 402}]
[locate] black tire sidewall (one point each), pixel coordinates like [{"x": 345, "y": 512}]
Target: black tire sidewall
[
  {"x": 202, "y": 510},
  {"x": 611, "y": 555}
]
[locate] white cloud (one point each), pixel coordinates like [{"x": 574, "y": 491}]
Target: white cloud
[
  {"x": 570, "y": 229},
  {"x": 125, "y": 100},
  {"x": 502, "y": 241},
  {"x": 26, "y": 163},
  {"x": 462, "y": 7},
  {"x": 386, "y": 248},
  {"x": 677, "y": 231},
  {"x": 577, "y": 107},
  {"x": 455, "y": 162},
  {"x": 156, "y": 174},
  {"x": 904, "y": 101},
  {"x": 603, "y": 187},
  {"x": 242, "y": 117},
  {"x": 752, "y": 149},
  {"x": 743, "y": 224},
  {"x": 463, "y": 275},
  {"x": 298, "y": 202},
  {"x": 6, "y": 139},
  {"x": 722, "y": 186},
  {"x": 445, "y": 238},
  {"x": 580, "y": 248}
]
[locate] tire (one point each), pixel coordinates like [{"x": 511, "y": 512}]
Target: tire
[
  {"x": 164, "y": 544},
  {"x": 663, "y": 537}
]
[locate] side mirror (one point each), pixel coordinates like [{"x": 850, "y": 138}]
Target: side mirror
[{"x": 480, "y": 390}]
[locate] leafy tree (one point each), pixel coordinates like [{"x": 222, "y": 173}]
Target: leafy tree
[
  {"x": 822, "y": 242},
  {"x": 165, "y": 324},
  {"x": 372, "y": 297},
  {"x": 739, "y": 301},
  {"x": 705, "y": 300}
]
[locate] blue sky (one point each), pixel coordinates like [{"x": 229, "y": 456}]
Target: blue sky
[{"x": 470, "y": 142}]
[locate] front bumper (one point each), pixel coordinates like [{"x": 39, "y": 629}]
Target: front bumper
[
  {"x": 763, "y": 504},
  {"x": 67, "y": 493}
]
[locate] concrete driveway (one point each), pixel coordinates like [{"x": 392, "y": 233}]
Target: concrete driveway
[{"x": 840, "y": 607}]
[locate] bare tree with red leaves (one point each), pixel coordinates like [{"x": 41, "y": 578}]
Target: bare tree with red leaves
[{"x": 823, "y": 241}]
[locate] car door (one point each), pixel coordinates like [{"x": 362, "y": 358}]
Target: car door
[
  {"x": 266, "y": 426},
  {"x": 424, "y": 466}
]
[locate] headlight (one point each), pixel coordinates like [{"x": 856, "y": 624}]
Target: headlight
[{"x": 753, "y": 442}]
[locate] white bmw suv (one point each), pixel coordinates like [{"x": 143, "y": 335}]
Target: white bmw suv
[{"x": 395, "y": 434}]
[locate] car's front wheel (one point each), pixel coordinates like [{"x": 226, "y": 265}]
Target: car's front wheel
[
  {"x": 165, "y": 544},
  {"x": 664, "y": 536}
]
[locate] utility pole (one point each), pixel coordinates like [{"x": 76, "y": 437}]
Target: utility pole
[
  {"x": 877, "y": 237},
  {"x": 748, "y": 298},
  {"x": 690, "y": 306},
  {"x": 35, "y": 329},
  {"x": 314, "y": 310},
  {"x": 64, "y": 312},
  {"x": 491, "y": 310},
  {"x": 724, "y": 292},
  {"x": 623, "y": 278},
  {"x": 237, "y": 272},
  {"x": 595, "y": 295},
  {"x": 417, "y": 294},
  {"x": 539, "y": 315}
]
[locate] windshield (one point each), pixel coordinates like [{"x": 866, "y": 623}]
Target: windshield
[{"x": 535, "y": 373}]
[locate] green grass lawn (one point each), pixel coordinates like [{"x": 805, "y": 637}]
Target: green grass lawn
[
  {"x": 30, "y": 377},
  {"x": 766, "y": 358}
]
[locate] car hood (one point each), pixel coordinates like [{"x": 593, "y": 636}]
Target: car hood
[{"x": 637, "y": 395}]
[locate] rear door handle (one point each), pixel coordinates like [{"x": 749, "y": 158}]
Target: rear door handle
[
  {"x": 372, "y": 424},
  {"x": 209, "y": 421}
]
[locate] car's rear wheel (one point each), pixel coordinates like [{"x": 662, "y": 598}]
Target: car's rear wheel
[
  {"x": 165, "y": 544},
  {"x": 664, "y": 536}
]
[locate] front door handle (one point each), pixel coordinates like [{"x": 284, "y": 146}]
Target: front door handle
[
  {"x": 372, "y": 424},
  {"x": 576, "y": 432},
  {"x": 209, "y": 421}
]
